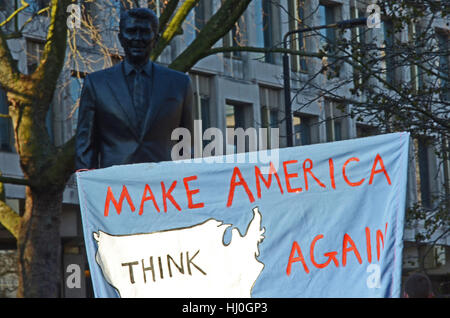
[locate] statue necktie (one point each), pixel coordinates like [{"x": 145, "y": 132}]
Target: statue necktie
[{"x": 139, "y": 97}]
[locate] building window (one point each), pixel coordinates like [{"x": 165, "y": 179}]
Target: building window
[
  {"x": 237, "y": 116},
  {"x": 35, "y": 50},
  {"x": 42, "y": 3},
  {"x": 112, "y": 9},
  {"x": 6, "y": 9},
  {"x": 6, "y": 129},
  {"x": 334, "y": 130},
  {"x": 416, "y": 72},
  {"x": 304, "y": 129},
  {"x": 202, "y": 11},
  {"x": 444, "y": 70},
  {"x": 363, "y": 130},
  {"x": 267, "y": 20},
  {"x": 202, "y": 97},
  {"x": 423, "y": 171},
  {"x": 329, "y": 13},
  {"x": 157, "y": 6},
  {"x": 446, "y": 166},
  {"x": 361, "y": 42},
  {"x": 36, "y": 5},
  {"x": 389, "y": 58},
  {"x": 88, "y": 8},
  {"x": 270, "y": 100},
  {"x": 234, "y": 38},
  {"x": 298, "y": 40},
  {"x": 269, "y": 27},
  {"x": 335, "y": 123}
]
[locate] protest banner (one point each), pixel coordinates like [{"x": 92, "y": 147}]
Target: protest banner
[{"x": 325, "y": 220}]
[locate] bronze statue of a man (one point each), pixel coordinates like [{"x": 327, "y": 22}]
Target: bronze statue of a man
[{"x": 127, "y": 112}]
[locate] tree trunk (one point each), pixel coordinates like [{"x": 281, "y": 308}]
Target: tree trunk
[{"x": 39, "y": 244}]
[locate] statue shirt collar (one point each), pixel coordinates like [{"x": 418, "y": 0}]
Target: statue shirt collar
[{"x": 146, "y": 68}]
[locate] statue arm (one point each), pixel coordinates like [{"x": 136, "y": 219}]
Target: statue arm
[{"x": 86, "y": 147}]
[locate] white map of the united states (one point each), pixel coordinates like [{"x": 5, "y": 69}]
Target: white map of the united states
[{"x": 183, "y": 262}]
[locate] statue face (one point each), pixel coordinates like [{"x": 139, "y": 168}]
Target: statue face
[{"x": 137, "y": 39}]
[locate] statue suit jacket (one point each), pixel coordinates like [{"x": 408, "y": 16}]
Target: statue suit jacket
[{"x": 107, "y": 132}]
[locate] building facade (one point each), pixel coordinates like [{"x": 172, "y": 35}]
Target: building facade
[{"x": 231, "y": 90}]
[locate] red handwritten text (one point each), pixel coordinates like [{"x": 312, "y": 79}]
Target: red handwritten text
[{"x": 349, "y": 249}]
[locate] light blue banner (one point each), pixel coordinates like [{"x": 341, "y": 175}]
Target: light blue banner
[{"x": 324, "y": 220}]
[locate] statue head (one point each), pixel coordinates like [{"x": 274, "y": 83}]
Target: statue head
[{"x": 138, "y": 31}]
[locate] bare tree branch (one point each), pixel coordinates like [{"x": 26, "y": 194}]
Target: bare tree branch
[
  {"x": 216, "y": 27},
  {"x": 260, "y": 50},
  {"x": 167, "y": 13},
  {"x": 173, "y": 27},
  {"x": 8, "y": 217},
  {"x": 11, "y": 17}
]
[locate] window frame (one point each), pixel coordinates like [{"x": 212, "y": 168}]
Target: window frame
[{"x": 296, "y": 21}]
